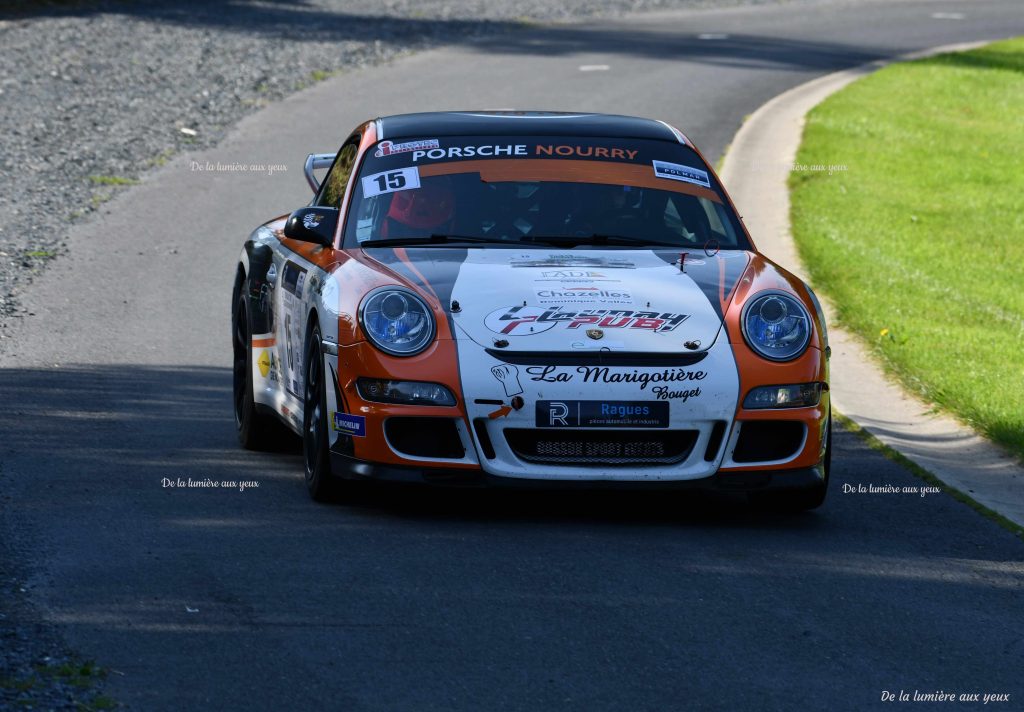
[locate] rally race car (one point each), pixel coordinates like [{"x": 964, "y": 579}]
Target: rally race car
[{"x": 527, "y": 297}]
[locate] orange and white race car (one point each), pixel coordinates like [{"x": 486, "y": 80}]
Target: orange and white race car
[{"x": 518, "y": 297}]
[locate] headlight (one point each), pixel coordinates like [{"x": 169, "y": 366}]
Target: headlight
[
  {"x": 406, "y": 392},
  {"x": 798, "y": 395},
  {"x": 396, "y": 321},
  {"x": 776, "y": 326}
]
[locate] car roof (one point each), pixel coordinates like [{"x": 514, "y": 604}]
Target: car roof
[{"x": 522, "y": 123}]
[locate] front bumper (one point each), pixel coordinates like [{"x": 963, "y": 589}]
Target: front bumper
[
  {"x": 350, "y": 468},
  {"x": 484, "y": 453}
]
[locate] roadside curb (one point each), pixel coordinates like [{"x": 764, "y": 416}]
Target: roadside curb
[{"x": 756, "y": 172}]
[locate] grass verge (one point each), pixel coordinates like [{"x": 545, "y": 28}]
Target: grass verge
[
  {"x": 77, "y": 680},
  {"x": 916, "y": 236}
]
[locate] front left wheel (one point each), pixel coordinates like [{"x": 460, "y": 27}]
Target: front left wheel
[{"x": 322, "y": 485}]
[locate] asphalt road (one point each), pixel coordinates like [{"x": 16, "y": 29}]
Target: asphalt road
[{"x": 413, "y": 600}]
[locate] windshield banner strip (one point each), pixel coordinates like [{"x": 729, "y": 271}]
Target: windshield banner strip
[{"x": 568, "y": 171}]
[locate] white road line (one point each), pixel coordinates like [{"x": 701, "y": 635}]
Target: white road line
[{"x": 594, "y": 67}]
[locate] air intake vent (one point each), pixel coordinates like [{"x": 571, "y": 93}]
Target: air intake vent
[
  {"x": 425, "y": 437},
  {"x": 768, "y": 440}
]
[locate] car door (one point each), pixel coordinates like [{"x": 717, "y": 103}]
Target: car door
[{"x": 293, "y": 299}]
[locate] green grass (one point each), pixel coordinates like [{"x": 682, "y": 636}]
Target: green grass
[
  {"x": 918, "y": 239},
  {"x": 85, "y": 676},
  {"x": 161, "y": 158}
]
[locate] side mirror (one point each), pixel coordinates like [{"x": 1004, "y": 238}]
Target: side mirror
[{"x": 316, "y": 225}]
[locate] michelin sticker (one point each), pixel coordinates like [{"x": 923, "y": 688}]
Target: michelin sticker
[
  {"x": 350, "y": 424},
  {"x": 675, "y": 171},
  {"x": 391, "y": 181}
]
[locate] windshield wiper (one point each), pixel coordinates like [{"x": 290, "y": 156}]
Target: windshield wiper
[
  {"x": 434, "y": 239},
  {"x": 603, "y": 239}
]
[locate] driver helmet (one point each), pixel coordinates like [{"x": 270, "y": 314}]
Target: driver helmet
[{"x": 428, "y": 207}]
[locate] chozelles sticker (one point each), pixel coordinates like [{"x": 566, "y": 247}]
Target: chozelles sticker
[
  {"x": 583, "y": 295},
  {"x": 350, "y": 424},
  {"x": 387, "y": 148},
  {"x": 676, "y": 171},
  {"x": 391, "y": 181}
]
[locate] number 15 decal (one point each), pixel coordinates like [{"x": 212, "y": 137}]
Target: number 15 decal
[{"x": 391, "y": 181}]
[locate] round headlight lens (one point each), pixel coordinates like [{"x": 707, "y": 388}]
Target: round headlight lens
[
  {"x": 776, "y": 326},
  {"x": 397, "y": 321}
]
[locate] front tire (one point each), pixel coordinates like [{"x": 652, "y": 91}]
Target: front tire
[
  {"x": 322, "y": 485},
  {"x": 255, "y": 430}
]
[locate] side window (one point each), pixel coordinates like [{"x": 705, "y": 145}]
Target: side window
[{"x": 337, "y": 179}]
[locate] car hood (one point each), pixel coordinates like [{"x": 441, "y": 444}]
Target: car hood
[{"x": 550, "y": 300}]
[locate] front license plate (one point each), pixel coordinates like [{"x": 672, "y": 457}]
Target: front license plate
[{"x": 601, "y": 414}]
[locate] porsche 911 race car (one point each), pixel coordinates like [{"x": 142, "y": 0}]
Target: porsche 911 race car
[{"x": 528, "y": 297}]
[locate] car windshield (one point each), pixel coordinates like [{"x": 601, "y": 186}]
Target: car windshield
[{"x": 557, "y": 191}]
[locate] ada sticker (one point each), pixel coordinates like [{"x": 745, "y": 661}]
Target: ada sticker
[
  {"x": 350, "y": 424},
  {"x": 675, "y": 171},
  {"x": 391, "y": 181},
  {"x": 387, "y": 148},
  {"x": 573, "y": 275}
]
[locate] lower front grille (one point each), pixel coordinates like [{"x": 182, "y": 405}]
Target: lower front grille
[{"x": 587, "y": 447}]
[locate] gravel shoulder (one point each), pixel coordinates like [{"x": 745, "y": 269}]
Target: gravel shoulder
[{"x": 93, "y": 94}]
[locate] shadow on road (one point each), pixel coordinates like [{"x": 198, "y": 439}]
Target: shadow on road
[
  {"x": 95, "y": 430},
  {"x": 498, "y": 585}
]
